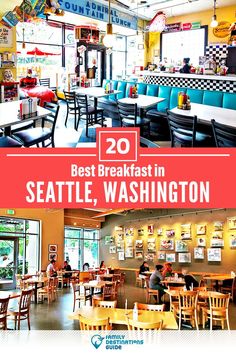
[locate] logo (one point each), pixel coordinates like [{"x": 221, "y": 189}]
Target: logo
[{"x": 97, "y": 340}]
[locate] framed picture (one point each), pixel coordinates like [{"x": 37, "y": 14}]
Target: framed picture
[
  {"x": 119, "y": 228},
  {"x": 129, "y": 242},
  {"x": 184, "y": 257},
  {"x": 109, "y": 240},
  {"x": 112, "y": 249},
  {"x": 167, "y": 245},
  {"x": 139, "y": 244},
  {"x": 232, "y": 223},
  {"x": 139, "y": 254},
  {"x": 218, "y": 225},
  {"x": 181, "y": 246},
  {"x": 217, "y": 242},
  {"x": 129, "y": 231},
  {"x": 201, "y": 242},
  {"x": 160, "y": 232},
  {"x": 201, "y": 229},
  {"x": 120, "y": 245},
  {"x": 217, "y": 234},
  {"x": 232, "y": 241},
  {"x": 121, "y": 256},
  {"x": 129, "y": 252},
  {"x": 198, "y": 252},
  {"x": 149, "y": 257},
  {"x": 140, "y": 232},
  {"x": 170, "y": 257},
  {"x": 186, "y": 232},
  {"x": 151, "y": 245},
  {"x": 52, "y": 256},
  {"x": 214, "y": 254},
  {"x": 150, "y": 229},
  {"x": 161, "y": 255},
  {"x": 52, "y": 248},
  {"x": 170, "y": 233},
  {"x": 120, "y": 237}
]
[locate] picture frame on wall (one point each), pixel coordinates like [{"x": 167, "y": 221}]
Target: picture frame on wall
[
  {"x": 151, "y": 245},
  {"x": 121, "y": 256},
  {"x": 217, "y": 234},
  {"x": 167, "y": 244},
  {"x": 161, "y": 256},
  {"x": 129, "y": 231},
  {"x": 52, "y": 256},
  {"x": 140, "y": 232},
  {"x": 232, "y": 223},
  {"x": 149, "y": 257},
  {"x": 129, "y": 252},
  {"x": 201, "y": 229},
  {"x": 112, "y": 249},
  {"x": 184, "y": 257},
  {"x": 201, "y": 242},
  {"x": 218, "y": 225},
  {"x": 160, "y": 232},
  {"x": 109, "y": 240},
  {"x": 150, "y": 229},
  {"x": 186, "y": 231},
  {"x": 170, "y": 233},
  {"x": 232, "y": 241},
  {"x": 119, "y": 228},
  {"x": 52, "y": 248},
  {"x": 120, "y": 245},
  {"x": 214, "y": 254},
  {"x": 139, "y": 244},
  {"x": 170, "y": 257},
  {"x": 217, "y": 242},
  {"x": 129, "y": 242},
  {"x": 139, "y": 254},
  {"x": 181, "y": 246},
  {"x": 199, "y": 253}
]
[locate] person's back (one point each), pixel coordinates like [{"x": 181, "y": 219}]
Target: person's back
[
  {"x": 155, "y": 279},
  {"x": 190, "y": 281}
]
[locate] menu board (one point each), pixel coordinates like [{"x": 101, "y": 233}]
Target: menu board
[{"x": 6, "y": 37}]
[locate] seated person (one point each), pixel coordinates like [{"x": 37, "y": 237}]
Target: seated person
[
  {"x": 155, "y": 281},
  {"x": 186, "y": 67},
  {"x": 67, "y": 268},
  {"x": 28, "y": 80},
  {"x": 167, "y": 270},
  {"x": 51, "y": 269},
  {"x": 190, "y": 281},
  {"x": 85, "y": 267},
  {"x": 102, "y": 268},
  {"x": 143, "y": 268}
]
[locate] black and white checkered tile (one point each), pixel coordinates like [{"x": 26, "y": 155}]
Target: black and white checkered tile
[
  {"x": 201, "y": 84},
  {"x": 218, "y": 51}
]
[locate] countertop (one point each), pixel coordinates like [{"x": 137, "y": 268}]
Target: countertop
[{"x": 189, "y": 76}]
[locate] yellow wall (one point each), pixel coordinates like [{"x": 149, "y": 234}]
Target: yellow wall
[
  {"x": 223, "y": 14},
  {"x": 52, "y": 223}
]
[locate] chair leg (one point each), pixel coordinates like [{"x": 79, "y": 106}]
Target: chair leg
[
  {"x": 196, "y": 318},
  {"x": 180, "y": 319},
  {"x": 28, "y": 320},
  {"x": 67, "y": 114},
  {"x": 227, "y": 321}
]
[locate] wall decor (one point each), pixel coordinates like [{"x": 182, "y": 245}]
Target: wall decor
[
  {"x": 232, "y": 241},
  {"x": 181, "y": 246},
  {"x": 198, "y": 252},
  {"x": 170, "y": 233},
  {"x": 52, "y": 256},
  {"x": 112, "y": 249},
  {"x": 201, "y": 242},
  {"x": 120, "y": 245},
  {"x": 109, "y": 240},
  {"x": 214, "y": 254},
  {"x": 186, "y": 231},
  {"x": 120, "y": 237},
  {"x": 217, "y": 242},
  {"x": 129, "y": 252},
  {"x": 129, "y": 242},
  {"x": 184, "y": 257},
  {"x": 139, "y": 244},
  {"x": 201, "y": 229},
  {"x": 149, "y": 257},
  {"x": 170, "y": 257},
  {"x": 129, "y": 231},
  {"x": 217, "y": 234},
  {"x": 6, "y": 37},
  {"x": 232, "y": 223},
  {"x": 139, "y": 254},
  {"x": 160, "y": 232},
  {"x": 150, "y": 229},
  {"x": 151, "y": 245},
  {"x": 161, "y": 256},
  {"x": 121, "y": 256},
  {"x": 119, "y": 228},
  {"x": 52, "y": 248},
  {"x": 167, "y": 245},
  {"x": 140, "y": 232},
  {"x": 218, "y": 225}
]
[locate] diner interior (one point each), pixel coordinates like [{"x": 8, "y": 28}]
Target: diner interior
[
  {"x": 165, "y": 66},
  {"x": 90, "y": 269}
]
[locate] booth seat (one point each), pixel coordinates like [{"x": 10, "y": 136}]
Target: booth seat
[{"x": 157, "y": 114}]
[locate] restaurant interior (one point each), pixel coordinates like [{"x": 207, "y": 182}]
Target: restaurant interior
[
  {"x": 165, "y": 66},
  {"x": 151, "y": 269}
]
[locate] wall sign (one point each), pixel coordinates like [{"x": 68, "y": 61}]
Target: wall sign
[
  {"x": 6, "y": 40},
  {"x": 222, "y": 30},
  {"x": 173, "y": 27},
  {"x": 191, "y": 26},
  {"x": 98, "y": 11}
]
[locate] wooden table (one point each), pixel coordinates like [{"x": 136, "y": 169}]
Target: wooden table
[
  {"x": 9, "y": 115},
  {"x": 206, "y": 113},
  {"x": 11, "y": 294},
  {"x": 94, "y": 284},
  {"x": 35, "y": 281},
  {"x": 119, "y": 316},
  {"x": 142, "y": 101},
  {"x": 217, "y": 278},
  {"x": 173, "y": 281}
]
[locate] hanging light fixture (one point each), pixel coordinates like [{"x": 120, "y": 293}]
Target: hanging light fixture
[
  {"x": 108, "y": 40},
  {"x": 23, "y": 47},
  {"x": 214, "y": 22}
]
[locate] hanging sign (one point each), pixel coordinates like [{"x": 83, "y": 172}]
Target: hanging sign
[
  {"x": 191, "y": 26},
  {"x": 158, "y": 23},
  {"x": 222, "y": 30},
  {"x": 6, "y": 40},
  {"x": 173, "y": 27}
]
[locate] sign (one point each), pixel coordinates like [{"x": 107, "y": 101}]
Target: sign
[
  {"x": 10, "y": 212},
  {"x": 158, "y": 23},
  {"x": 191, "y": 26},
  {"x": 97, "y": 11},
  {"x": 173, "y": 27},
  {"x": 6, "y": 40},
  {"x": 222, "y": 30}
]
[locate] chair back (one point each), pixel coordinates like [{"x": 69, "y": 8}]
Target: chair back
[
  {"x": 182, "y": 129},
  {"x": 150, "y": 307},
  {"x": 70, "y": 98},
  {"x": 225, "y": 136},
  {"x": 24, "y": 303},
  {"x": 136, "y": 325},
  {"x": 45, "y": 82},
  {"x": 82, "y": 101},
  {"x": 116, "y": 277},
  {"x": 148, "y": 143},
  {"x": 110, "y": 290},
  {"x": 128, "y": 111},
  {"x": 87, "y": 324},
  {"x": 3, "y": 312},
  {"x": 51, "y": 117},
  {"x": 218, "y": 300},
  {"x": 188, "y": 299},
  {"x": 103, "y": 303}
]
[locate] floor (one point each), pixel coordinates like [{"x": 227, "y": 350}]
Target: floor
[{"x": 55, "y": 315}]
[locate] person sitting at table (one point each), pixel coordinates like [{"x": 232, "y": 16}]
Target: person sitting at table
[
  {"x": 102, "y": 268},
  {"x": 155, "y": 281},
  {"x": 143, "y": 268},
  {"x": 67, "y": 268},
  {"x": 51, "y": 269},
  {"x": 167, "y": 270},
  {"x": 86, "y": 267},
  {"x": 190, "y": 281}
]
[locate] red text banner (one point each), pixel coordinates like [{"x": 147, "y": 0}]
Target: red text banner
[{"x": 118, "y": 173}]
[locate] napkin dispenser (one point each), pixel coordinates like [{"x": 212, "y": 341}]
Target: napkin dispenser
[{"x": 28, "y": 107}]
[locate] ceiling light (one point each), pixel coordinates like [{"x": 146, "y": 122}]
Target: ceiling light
[
  {"x": 214, "y": 22},
  {"x": 108, "y": 40}
]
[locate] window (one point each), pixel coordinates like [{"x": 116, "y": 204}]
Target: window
[
  {"x": 119, "y": 58},
  {"x": 184, "y": 44},
  {"x": 81, "y": 246}
]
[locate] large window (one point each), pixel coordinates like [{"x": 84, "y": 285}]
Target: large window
[
  {"x": 184, "y": 44},
  {"x": 81, "y": 246}
]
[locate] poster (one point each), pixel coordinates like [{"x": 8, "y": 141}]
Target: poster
[{"x": 6, "y": 37}]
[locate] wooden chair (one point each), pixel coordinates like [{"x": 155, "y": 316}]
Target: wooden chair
[
  {"x": 174, "y": 298},
  {"x": 106, "y": 304},
  {"x": 3, "y": 312},
  {"x": 151, "y": 293},
  {"x": 218, "y": 310},
  {"x": 87, "y": 324},
  {"x": 138, "y": 281},
  {"x": 41, "y": 135},
  {"x": 187, "y": 309},
  {"x": 110, "y": 291},
  {"x": 81, "y": 293},
  {"x": 150, "y": 307},
  {"x": 225, "y": 136},
  {"x": 44, "y": 82},
  {"x": 46, "y": 292},
  {"x": 136, "y": 325},
  {"x": 23, "y": 311},
  {"x": 229, "y": 287}
]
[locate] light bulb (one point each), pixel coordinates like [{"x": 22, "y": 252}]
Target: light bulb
[
  {"x": 23, "y": 50},
  {"x": 109, "y": 38},
  {"x": 214, "y": 22}
]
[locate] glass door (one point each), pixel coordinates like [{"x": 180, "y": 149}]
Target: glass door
[{"x": 8, "y": 262}]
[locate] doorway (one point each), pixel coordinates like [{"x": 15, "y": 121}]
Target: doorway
[{"x": 8, "y": 262}]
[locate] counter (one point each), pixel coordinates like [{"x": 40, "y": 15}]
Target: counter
[{"x": 201, "y": 82}]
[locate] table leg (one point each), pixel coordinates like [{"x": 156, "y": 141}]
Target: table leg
[
  {"x": 7, "y": 131},
  {"x": 35, "y": 293},
  {"x": 95, "y": 106}
]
